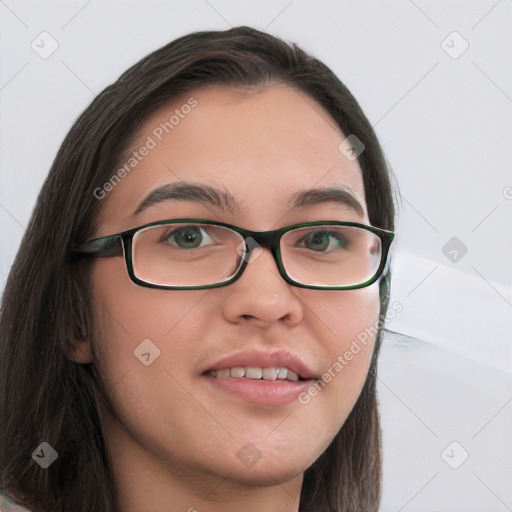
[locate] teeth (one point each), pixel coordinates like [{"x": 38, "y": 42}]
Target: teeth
[
  {"x": 270, "y": 374},
  {"x": 223, "y": 374},
  {"x": 292, "y": 375},
  {"x": 282, "y": 373},
  {"x": 238, "y": 373},
  {"x": 255, "y": 373}
]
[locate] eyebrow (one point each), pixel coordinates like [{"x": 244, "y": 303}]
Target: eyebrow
[
  {"x": 221, "y": 198},
  {"x": 185, "y": 191},
  {"x": 332, "y": 194}
]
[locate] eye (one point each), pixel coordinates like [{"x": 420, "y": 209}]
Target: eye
[
  {"x": 324, "y": 240},
  {"x": 187, "y": 237}
]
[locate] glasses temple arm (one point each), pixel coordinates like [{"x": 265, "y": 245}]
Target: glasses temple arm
[{"x": 106, "y": 247}]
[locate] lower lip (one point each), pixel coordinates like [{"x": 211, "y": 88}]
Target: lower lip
[{"x": 261, "y": 392}]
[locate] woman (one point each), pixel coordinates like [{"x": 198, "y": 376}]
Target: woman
[{"x": 194, "y": 316}]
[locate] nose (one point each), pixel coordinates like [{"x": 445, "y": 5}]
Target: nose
[{"x": 261, "y": 296}]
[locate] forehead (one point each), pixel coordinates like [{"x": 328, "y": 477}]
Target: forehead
[{"x": 262, "y": 146}]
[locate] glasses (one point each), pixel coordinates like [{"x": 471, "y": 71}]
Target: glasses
[{"x": 188, "y": 254}]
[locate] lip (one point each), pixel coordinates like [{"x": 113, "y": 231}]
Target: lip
[{"x": 261, "y": 392}]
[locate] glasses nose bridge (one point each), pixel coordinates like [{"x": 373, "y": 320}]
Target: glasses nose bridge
[
  {"x": 270, "y": 240},
  {"x": 265, "y": 239}
]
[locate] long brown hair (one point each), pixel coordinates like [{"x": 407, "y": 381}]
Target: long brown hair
[{"x": 47, "y": 301}]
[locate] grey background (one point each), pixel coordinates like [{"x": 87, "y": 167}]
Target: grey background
[{"x": 444, "y": 118}]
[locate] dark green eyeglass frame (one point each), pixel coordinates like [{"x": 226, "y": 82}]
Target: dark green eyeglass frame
[{"x": 116, "y": 245}]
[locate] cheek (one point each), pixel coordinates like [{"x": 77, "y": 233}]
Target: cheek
[
  {"x": 135, "y": 321},
  {"x": 146, "y": 353},
  {"x": 349, "y": 325},
  {"x": 348, "y": 322}
]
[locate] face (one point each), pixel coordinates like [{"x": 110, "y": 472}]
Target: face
[{"x": 263, "y": 148}]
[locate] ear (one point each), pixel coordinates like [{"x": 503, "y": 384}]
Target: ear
[
  {"x": 79, "y": 352},
  {"x": 77, "y": 346}
]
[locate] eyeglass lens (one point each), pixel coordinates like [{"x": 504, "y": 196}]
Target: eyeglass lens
[{"x": 194, "y": 254}]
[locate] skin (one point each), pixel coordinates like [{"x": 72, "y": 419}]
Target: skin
[{"x": 173, "y": 443}]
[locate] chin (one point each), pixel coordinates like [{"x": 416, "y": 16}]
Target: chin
[
  {"x": 267, "y": 474},
  {"x": 252, "y": 467}
]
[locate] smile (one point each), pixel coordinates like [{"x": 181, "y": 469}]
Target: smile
[{"x": 255, "y": 373}]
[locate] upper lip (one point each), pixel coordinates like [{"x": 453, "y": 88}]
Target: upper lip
[{"x": 262, "y": 359}]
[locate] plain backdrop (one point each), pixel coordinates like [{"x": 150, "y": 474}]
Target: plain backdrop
[{"x": 435, "y": 80}]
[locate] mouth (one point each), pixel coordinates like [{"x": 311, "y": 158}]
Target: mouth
[
  {"x": 256, "y": 373},
  {"x": 262, "y": 378}
]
